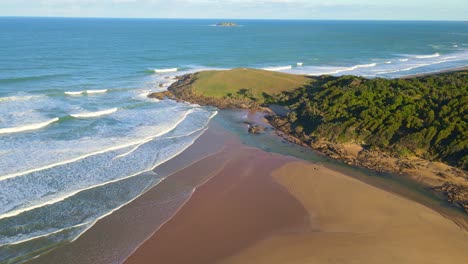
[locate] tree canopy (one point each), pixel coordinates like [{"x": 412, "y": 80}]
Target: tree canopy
[{"x": 424, "y": 116}]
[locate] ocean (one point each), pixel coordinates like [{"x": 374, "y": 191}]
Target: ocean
[{"x": 79, "y": 137}]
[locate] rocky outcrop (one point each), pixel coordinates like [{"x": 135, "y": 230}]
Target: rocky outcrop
[
  {"x": 162, "y": 95},
  {"x": 455, "y": 194},
  {"x": 255, "y": 129}
]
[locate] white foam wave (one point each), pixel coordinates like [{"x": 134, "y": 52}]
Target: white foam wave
[
  {"x": 337, "y": 70},
  {"x": 388, "y": 62},
  {"x": 166, "y": 70},
  {"x": 97, "y": 91},
  {"x": 364, "y": 66},
  {"x": 300, "y": 64},
  {"x": 278, "y": 68},
  {"x": 415, "y": 66},
  {"x": 117, "y": 147},
  {"x": 27, "y": 127},
  {"x": 143, "y": 95},
  {"x": 95, "y": 114},
  {"x": 435, "y": 55},
  {"x": 103, "y": 214},
  {"x": 138, "y": 144},
  {"x": 74, "y": 93},
  {"x": 406, "y": 59},
  {"x": 19, "y": 98}
]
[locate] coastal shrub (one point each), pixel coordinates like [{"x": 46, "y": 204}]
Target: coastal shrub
[{"x": 424, "y": 116}]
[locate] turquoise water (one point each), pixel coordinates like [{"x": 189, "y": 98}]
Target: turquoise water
[{"x": 78, "y": 135}]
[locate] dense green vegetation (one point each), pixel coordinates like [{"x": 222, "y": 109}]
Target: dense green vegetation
[{"x": 424, "y": 116}]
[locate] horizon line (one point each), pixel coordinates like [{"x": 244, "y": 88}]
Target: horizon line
[{"x": 197, "y": 18}]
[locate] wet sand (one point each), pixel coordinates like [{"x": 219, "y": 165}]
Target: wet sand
[
  {"x": 268, "y": 208},
  {"x": 242, "y": 204},
  {"x": 225, "y": 202},
  {"x": 115, "y": 237}
]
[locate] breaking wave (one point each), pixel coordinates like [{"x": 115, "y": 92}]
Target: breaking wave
[
  {"x": 19, "y": 98},
  {"x": 50, "y": 210},
  {"x": 97, "y": 91},
  {"x": 168, "y": 70},
  {"x": 278, "y": 68},
  {"x": 28, "y": 127},
  {"x": 95, "y": 114},
  {"x": 74, "y": 93},
  {"x": 435, "y": 55}
]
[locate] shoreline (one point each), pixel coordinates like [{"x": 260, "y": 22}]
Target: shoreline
[
  {"x": 113, "y": 238},
  {"x": 465, "y": 68},
  {"x": 204, "y": 158},
  {"x": 207, "y": 230},
  {"x": 448, "y": 182}
]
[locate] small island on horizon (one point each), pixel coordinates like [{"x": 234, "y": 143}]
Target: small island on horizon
[{"x": 226, "y": 24}]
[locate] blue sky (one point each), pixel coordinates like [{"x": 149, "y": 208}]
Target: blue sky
[{"x": 284, "y": 9}]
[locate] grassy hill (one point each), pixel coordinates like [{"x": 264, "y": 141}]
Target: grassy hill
[{"x": 243, "y": 82}]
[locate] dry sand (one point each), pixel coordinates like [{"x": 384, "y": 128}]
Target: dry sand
[
  {"x": 357, "y": 223},
  {"x": 267, "y": 208}
]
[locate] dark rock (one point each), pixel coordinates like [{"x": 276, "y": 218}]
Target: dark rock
[
  {"x": 256, "y": 129},
  {"x": 161, "y": 95},
  {"x": 455, "y": 194}
]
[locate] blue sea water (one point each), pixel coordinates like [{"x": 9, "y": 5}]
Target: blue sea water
[{"x": 78, "y": 135}]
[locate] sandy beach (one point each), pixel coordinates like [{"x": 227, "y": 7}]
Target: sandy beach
[
  {"x": 226, "y": 202},
  {"x": 114, "y": 237},
  {"x": 261, "y": 207}
]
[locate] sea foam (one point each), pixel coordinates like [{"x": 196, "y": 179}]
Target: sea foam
[
  {"x": 95, "y": 114},
  {"x": 97, "y": 91},
  {"x": 132, "y": 164},
  {"x": 435, "y": 55},
  {"x": 278, "y": 68},
  {"x": 27, "y": 127},
  {"x": 74, "y": 93},
  {"x": 166, "y": 70},
  {"x": 19, "y": 98}
]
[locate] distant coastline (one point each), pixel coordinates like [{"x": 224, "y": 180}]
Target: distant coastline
[{"x": 436, "y": 72}]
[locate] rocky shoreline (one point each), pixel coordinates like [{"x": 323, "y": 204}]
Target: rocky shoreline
[{"x": 448, "y": 182}]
